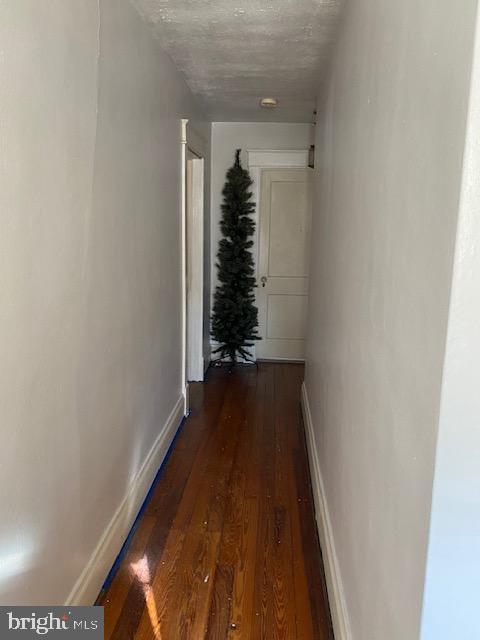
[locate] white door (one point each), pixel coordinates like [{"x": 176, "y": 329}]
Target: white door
[{"x": 283, "y": 266}]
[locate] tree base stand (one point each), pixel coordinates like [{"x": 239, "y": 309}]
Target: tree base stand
[{"x": 219, "y": 362}]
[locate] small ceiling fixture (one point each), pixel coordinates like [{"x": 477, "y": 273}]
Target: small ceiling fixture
[{"x": 268, "y": 103}]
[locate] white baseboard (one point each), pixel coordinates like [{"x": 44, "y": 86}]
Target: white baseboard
[
  {"x": 88, "y": 585},
  {"x": 338, "y": 607},
  {"x": 283, "y": 360}
]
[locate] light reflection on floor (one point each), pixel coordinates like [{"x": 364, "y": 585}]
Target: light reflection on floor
[{"x": 142, "y": 573}]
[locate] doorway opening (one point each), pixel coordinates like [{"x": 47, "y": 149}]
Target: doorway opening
[
  {"x": 193, "y": 204},
  {"x": 194, "y": 210}
]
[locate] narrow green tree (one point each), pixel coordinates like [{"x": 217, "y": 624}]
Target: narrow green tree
[{"x": 235, "y": 316}]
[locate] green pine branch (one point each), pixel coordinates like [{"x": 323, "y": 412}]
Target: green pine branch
[{"x": 235, "y": 316}]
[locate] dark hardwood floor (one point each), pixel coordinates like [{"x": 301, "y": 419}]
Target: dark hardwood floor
[{"x": 227, "y": 546}]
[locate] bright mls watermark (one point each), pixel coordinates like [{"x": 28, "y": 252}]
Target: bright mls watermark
[{"x": 56, "y": 622}]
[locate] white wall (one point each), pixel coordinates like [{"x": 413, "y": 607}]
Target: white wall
[
  {"x": 453, "y": 568},
  {"x": 90, "y": 275},
  {"x": 229, "y": 136},
  {"x": 390, "y": 141}
]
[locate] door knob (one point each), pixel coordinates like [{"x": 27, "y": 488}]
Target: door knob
[{"x": 263, "y": 280}]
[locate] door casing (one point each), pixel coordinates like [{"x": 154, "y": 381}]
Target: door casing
[{"x": 193, "y": 147}]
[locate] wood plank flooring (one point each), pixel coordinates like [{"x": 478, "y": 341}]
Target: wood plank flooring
[{"x": 227, "y": 546}]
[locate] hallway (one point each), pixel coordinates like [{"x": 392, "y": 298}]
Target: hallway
[
  {"x": 284, "y": 182},
  {"x": 227, "y": 545}
]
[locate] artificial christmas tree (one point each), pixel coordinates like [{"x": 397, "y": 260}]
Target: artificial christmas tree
[{"x": 234, "y": 318}]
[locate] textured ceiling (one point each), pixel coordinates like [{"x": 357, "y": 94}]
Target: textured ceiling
[{"x": 234, "y": 52}]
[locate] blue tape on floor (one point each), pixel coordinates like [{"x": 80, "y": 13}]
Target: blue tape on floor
[{"x": 131, "y": 533}]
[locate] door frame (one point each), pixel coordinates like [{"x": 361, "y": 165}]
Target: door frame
[
  {"x": 191, "y": 250},
  {"x": 259, "y": 160}
]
